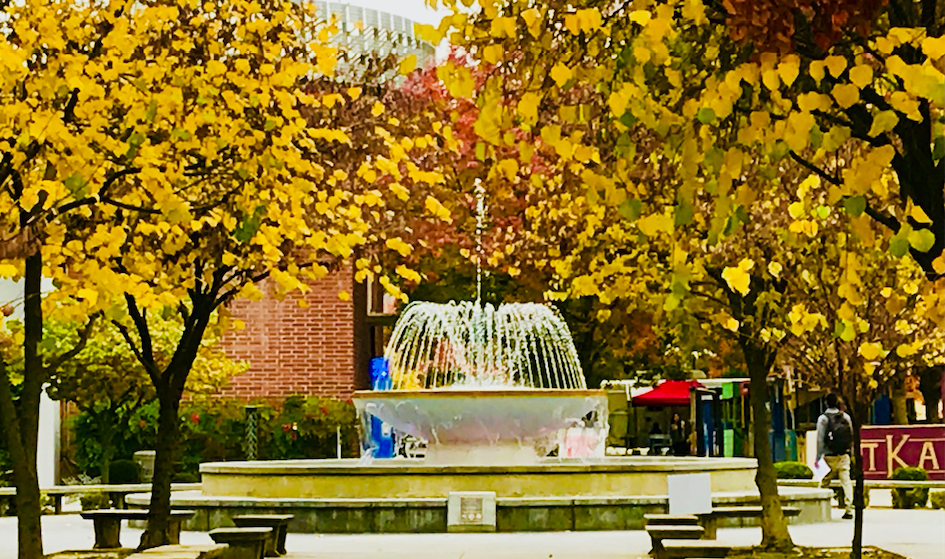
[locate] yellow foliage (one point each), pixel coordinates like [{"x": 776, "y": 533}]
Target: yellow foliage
[
  {"x": 737, "y": 277},
  {"x": 407, "y": 64},
  {"x": 655, "y": 223},
  {"x": 788, "y": 68},
  {"x": 883, "y": 121},
  {"x": 861, "y": 75},
  {"x": 846, "y": 95},
  {"x": 408, "y": 274},
  {"x": 434, "y": 206},
  {"x": 561, "y": 74},
  {"x": 871, "y": 350},
  {"x": 934, "y": 47}
]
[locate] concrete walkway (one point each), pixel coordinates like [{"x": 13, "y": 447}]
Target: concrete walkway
[{"x": 916, "y": 534}]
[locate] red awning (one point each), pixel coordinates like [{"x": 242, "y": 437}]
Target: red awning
[{"x": 668, "y": 393}]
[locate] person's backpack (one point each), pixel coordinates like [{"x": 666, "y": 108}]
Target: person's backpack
[{"x": 839, "y": 437}]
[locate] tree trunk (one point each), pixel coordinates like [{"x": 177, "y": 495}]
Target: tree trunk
[
  {"x": 857, "y": 413},
  {"x": 930, "y": 385},
  {"x": 33, "y": 372},
  {"x": 28, "y": 506},
  {"x": 21, "y": 419},
  {"x": 167, "y": 442},
  {"x": 107, "y": 424},
  {"x": 897, "y": 396},
  {"x": 774, "y": 531}
]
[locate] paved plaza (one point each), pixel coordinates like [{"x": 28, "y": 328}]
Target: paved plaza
[{"x": 916, "y": 534}]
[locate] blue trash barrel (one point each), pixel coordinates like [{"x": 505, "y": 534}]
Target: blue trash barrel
[{"x": 382, "y": 437}]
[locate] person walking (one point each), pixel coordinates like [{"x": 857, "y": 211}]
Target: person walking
[{"x": 834, "y": 441}]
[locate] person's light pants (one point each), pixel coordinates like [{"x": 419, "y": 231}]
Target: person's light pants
[{"x": 840, "y": 468}]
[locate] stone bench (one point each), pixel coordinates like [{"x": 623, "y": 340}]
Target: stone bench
[
  {"x": 659, "y": 533},
  {"x": 710, "y": 520},
  {"x": 177, "y": 551},
  {"x": 687, "y": 549},
  {"x": 671, "y": 519},
  {"x": 116, "y": 492},
  {"x": 107, "y": 524},
  {"x": 245, "y": 543},
  {"x": 279, "y": 523}
]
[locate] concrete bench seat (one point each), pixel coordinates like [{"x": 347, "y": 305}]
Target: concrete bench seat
[
  {"x": 245, "y": 543},
  {"x": 660, "y": 533},
  {"x": 279, "y": 523},
  {"x": 177, "y": 551},
  {"x": 687, "y": 549},
  {"x": 116, "y": 492},
  {"x": 710, "y": 520},
  {"x": 671, "y": 519},
  {"x": 107, "y": 524}
]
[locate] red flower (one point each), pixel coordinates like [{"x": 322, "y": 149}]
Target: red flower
[
  {"x": 195, "y": 418},
  {"x": 324, "y": 410}
]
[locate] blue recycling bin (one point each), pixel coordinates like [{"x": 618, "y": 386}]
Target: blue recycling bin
[{"x": 381, "y": 436}]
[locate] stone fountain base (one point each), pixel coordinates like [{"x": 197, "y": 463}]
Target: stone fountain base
[{"x": 344, "y": 496}]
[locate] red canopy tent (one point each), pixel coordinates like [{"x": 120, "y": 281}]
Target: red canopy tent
[{"x": 668, "y": 393}]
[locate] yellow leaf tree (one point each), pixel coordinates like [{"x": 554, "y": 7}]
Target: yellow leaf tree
[
  {"x": 169, "y": 157},
  {"x": 702, "y": 89}
]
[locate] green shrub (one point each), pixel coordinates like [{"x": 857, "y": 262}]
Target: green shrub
[
  {"x": 793, "y": 470},
  {"x": 938, "y": 499},
  {"x": 910, "y": 498},
  {"x": 124, "y": 471},
  {"x": 215, "y": 430},
  {"x": 94, "y": 501}
]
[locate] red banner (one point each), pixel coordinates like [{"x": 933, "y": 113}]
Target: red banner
[{"x": 886, "y": 448}]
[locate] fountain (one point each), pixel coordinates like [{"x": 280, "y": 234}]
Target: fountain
[
  {"x": 483, "y": 385},
  {"x": 489, "y": 389}
]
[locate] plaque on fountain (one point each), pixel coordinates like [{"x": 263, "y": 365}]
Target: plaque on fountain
[{"x": 470, "y": 511}]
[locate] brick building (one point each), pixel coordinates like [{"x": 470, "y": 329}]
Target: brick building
[{"x": 324, "y": 349}]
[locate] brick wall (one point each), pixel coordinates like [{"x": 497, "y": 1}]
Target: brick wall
[{"x": 291, "y": 350}]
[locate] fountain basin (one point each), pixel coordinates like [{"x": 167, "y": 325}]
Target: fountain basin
[
  {"x": 415, "y": 479},
  {"x": 346, "y": 496},
  {"x": 486, "y": 427}
]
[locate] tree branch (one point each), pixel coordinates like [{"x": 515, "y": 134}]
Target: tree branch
[
  {"x": 150, "y": 369},
  {"x": 83, "y": 340},
  {"x": 141, "y": 324},
  {"x": 815, "y": 169},
  {"x": 884, "y": 218}
]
